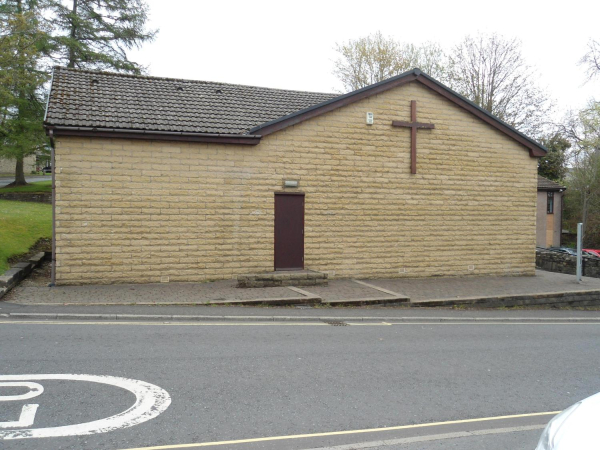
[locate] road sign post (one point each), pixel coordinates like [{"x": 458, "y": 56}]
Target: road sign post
[{"x": 579, "y": 253}]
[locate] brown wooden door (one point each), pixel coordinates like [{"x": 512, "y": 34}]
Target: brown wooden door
[{"x": 289, "y": 231}]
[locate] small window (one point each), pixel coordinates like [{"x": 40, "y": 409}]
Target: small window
[{"x": 550, "y": 202}]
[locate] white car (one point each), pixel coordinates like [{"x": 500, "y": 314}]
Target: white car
[{"x": 576, "y": 428}]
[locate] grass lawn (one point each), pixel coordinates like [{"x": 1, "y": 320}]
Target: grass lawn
[
  {"x": 36, "y": 187},
  {"x": 21, "y": 225}
]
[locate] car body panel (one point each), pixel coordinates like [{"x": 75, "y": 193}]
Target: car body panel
[{"x": 576, "y": 428}]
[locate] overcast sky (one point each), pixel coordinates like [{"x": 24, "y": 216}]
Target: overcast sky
[{"x": 290, "y": 45}]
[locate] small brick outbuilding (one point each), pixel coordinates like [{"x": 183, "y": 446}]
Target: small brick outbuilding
[
  {"x": 549, "y": 212},
  {"x": 163, "y": 179}
]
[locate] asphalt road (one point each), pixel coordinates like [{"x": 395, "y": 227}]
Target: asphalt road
[
  {"x": 253, "y": 381},
  {"x": 29, "y": 178}
]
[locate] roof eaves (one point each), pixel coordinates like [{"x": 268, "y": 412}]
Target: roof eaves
[{"x": 158, "y": 135}]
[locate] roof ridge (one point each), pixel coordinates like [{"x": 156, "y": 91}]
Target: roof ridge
[{"x": 184, "y": 80}]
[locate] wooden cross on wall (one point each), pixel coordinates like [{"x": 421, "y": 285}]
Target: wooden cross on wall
[{"x": 413, "y": 125}]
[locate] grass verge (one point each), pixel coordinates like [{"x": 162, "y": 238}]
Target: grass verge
[
  {"x": 33, "y": 188},
  {"x": 22, "y": 224}
]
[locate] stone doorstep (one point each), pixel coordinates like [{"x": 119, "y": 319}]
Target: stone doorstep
[
  {"x": 280, "y": 283},
  {"x": 283, "y": 278}
]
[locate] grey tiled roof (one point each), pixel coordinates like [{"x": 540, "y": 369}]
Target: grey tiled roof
[
  {"x": 544, "y": 184},
  {"x": 80, "y": 98}
]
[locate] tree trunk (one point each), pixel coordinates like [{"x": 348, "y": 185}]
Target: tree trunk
[
  {"x": 72, "y": 35},
  {"x": 19, "y": 174}
]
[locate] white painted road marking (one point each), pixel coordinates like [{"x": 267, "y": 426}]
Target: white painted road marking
[
  {"x": 25, "y": 419},
  {"x": 150, "y": 401},
  {"x": 35, "y": 389},
  {"x": 27, "y": 416}
]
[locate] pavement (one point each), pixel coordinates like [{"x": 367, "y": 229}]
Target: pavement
[
  {"x": 4, "y": 180},
  {"x": 297, "y": 386},
  {"x": 34, "y": 291}
]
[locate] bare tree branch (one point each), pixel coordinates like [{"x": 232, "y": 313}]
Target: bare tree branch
[
  {"x": 490, "y": 71},
  {"x": 375, "y": 58},
  {"x": 592, "y": 59}
]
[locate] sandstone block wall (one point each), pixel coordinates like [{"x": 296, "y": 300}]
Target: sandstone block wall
[{"x": 141, "y": 211}]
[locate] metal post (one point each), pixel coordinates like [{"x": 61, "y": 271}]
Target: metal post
[{"x": 579, "y": 246}]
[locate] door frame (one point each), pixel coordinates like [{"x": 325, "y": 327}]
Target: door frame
[{"x": 275, "y": 234}]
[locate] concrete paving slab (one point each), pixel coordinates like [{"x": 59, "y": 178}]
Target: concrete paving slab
[
  {"x": 30, "y": 291},
  {"x": 338, "y": 290},
  {"x": 421, "y": 292},
  {"x": 455, "y": 288}
]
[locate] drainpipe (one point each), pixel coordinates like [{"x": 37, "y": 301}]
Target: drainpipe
[
  {"x": 50, "y": 133},
  {"x": 53, "y": 168}
]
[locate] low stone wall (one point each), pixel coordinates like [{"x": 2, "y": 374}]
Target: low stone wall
[
  {"x": 551, "y": 300},
  {"x": 564, "y": 263},
  {"x": 27, "y": 197},
  {"x": 19, "y": 271}
]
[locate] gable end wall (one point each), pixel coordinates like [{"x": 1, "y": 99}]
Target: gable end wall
[{"x": 136, "y": 211}]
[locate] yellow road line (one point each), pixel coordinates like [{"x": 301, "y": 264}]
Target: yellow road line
[{"x": 339, "y": 433}]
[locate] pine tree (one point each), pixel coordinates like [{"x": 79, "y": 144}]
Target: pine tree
[
  {"x": 21, "y": 83},
  {"x": 96, "y": 34},
  {"x": 554, "y": 165}
]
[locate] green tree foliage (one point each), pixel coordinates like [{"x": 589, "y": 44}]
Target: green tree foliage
[
  {"x": 87, "y": 34},
  {"x": 583, "y": 180},
  {"x": 375, "y": 58},
  {"x": 490, "y": 71},
  {"x": 21, "y": 81},
  {"x": 554, "y": 165},
  {"x": 96, "y": 34}
]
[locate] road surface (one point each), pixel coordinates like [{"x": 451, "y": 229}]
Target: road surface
[
  {"x": 4, "y": 180},
  {"x": 292, "y": 385}
]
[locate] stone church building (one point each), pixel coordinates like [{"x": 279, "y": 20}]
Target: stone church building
[{"x": 176, "y": 180}]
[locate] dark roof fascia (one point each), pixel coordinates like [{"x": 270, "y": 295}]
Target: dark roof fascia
[
  {"x": 549, "y": 189},
  {"x": 535, "y": 148},
  {"x": 557, "y": 188},
  {"x": 48, "y": 99},
  {"x": 330, "y": 105},
  {"x": 115, "y": 133}
]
